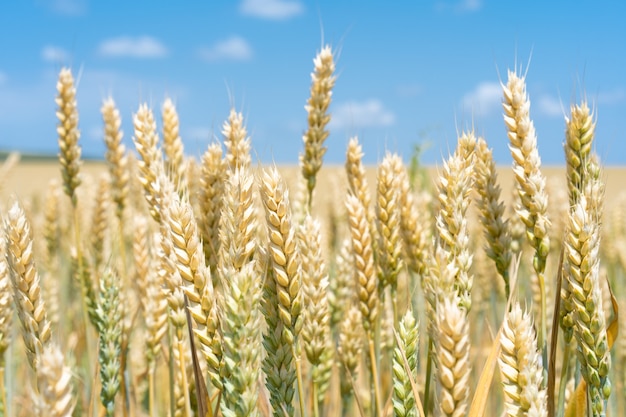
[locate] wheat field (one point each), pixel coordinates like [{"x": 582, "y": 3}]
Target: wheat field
[{"x": 157, "y": 283}]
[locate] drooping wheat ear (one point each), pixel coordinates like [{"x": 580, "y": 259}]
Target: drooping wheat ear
[
  {"x": 363, "y": 258},
  {"x": 388, "y": 221},
  {"x": 530, "y": 182},
  {"x": 54, "y": 380},
  {"x": 452, "y": 357},
  {"x": 241, "y": 335},
  {"x": 403, "y": 398},
  {"x": 492, "y": 211},
  {"x": 26, "y": 287},
  {"x": 116, "y": 156},
  {"x": 316, "y": 327},
  {"x": 414, "y": 227},
  {"x": 278, "y": 364},
  {"x": 285, "y": 260},
  {"x": 173, "y": 145},
  {"x": 6, "y": 308},
  {"x": 342, "y": 284},
  {"x": 212, "y": 183},
  {"x": 350, "y": 349},
  {"x": 236, "y": 141},
  {"x": 322, "y": 84},
  {"x": 238, "y": 221},
  {"x": 151, "y": 163},
  {"x": 579, "y": 133},
  {"x": 520, "y": 366},
  {"x": 68, "y": 133},
  {"x": 51, "y": 226},
  {"x": 453, "y": 192},
  {"x": 582, "y": 273},
  {"x": 109, "y": 326},
  {"x": 100, "y": 224}
]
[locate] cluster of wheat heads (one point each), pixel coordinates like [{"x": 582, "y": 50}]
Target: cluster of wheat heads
[{"x": 171, "y": 286}]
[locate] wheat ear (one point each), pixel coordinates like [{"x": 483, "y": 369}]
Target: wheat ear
[
  {"x": 579, "y": 134},
  {"x": 492, "y": 211},
  {"x": 54, "y": 380},
  {"x": 530, "y": 182},
  {"x": 520, "y": 366},
  {"x": 212, "y": 182},
  {"x": 26, "y": 286},
  {"x": 452, "y": 357},
  {"x": 322, "y": 84},
  {"x": 453, "y": 193},
  {"x": 67, "y": 129},
  {"x": 173, "y": 145},
  {"x": 109, "y": 325},
  {"x": 403, "y": 398},
  {"x": 236, "y": 141},
  {"x": 388, "y": 222},
  {"x": 116, "y": 157},
  {"x": 241, "y": 335},
  {"x": 6, "y": 318},
  {"x": 582, "y": 272},
  {"x": 151, "y": 163}
]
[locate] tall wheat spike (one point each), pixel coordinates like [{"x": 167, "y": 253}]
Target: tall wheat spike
[
  {"x": 212, "y": 182},
  {"x": 322, "y": 84},
  {"x": 68, "y": 133},
  {"x": 453, "y": 193},
  {"x": 173, "y": 145},
  {"x": 116, "y": 157},
  {"x": 403, "y": 398},
  {"x": 530, "y": 182}
]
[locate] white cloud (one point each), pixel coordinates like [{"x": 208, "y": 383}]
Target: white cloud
[
  {"x": 484, "y": 99},
  {"x": 68, "y": 7},
  {"x": 550, "y": 106},
  {"x": 359, "y": 114},
  {"x": 234, "y": 48},
  {"x": 55, "y": 54},
  {"x": 134, "y": 47},
  {"x": 271, "y": 9}
]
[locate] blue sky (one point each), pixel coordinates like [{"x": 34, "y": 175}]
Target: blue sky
[{"x": 412, "y": 72}]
